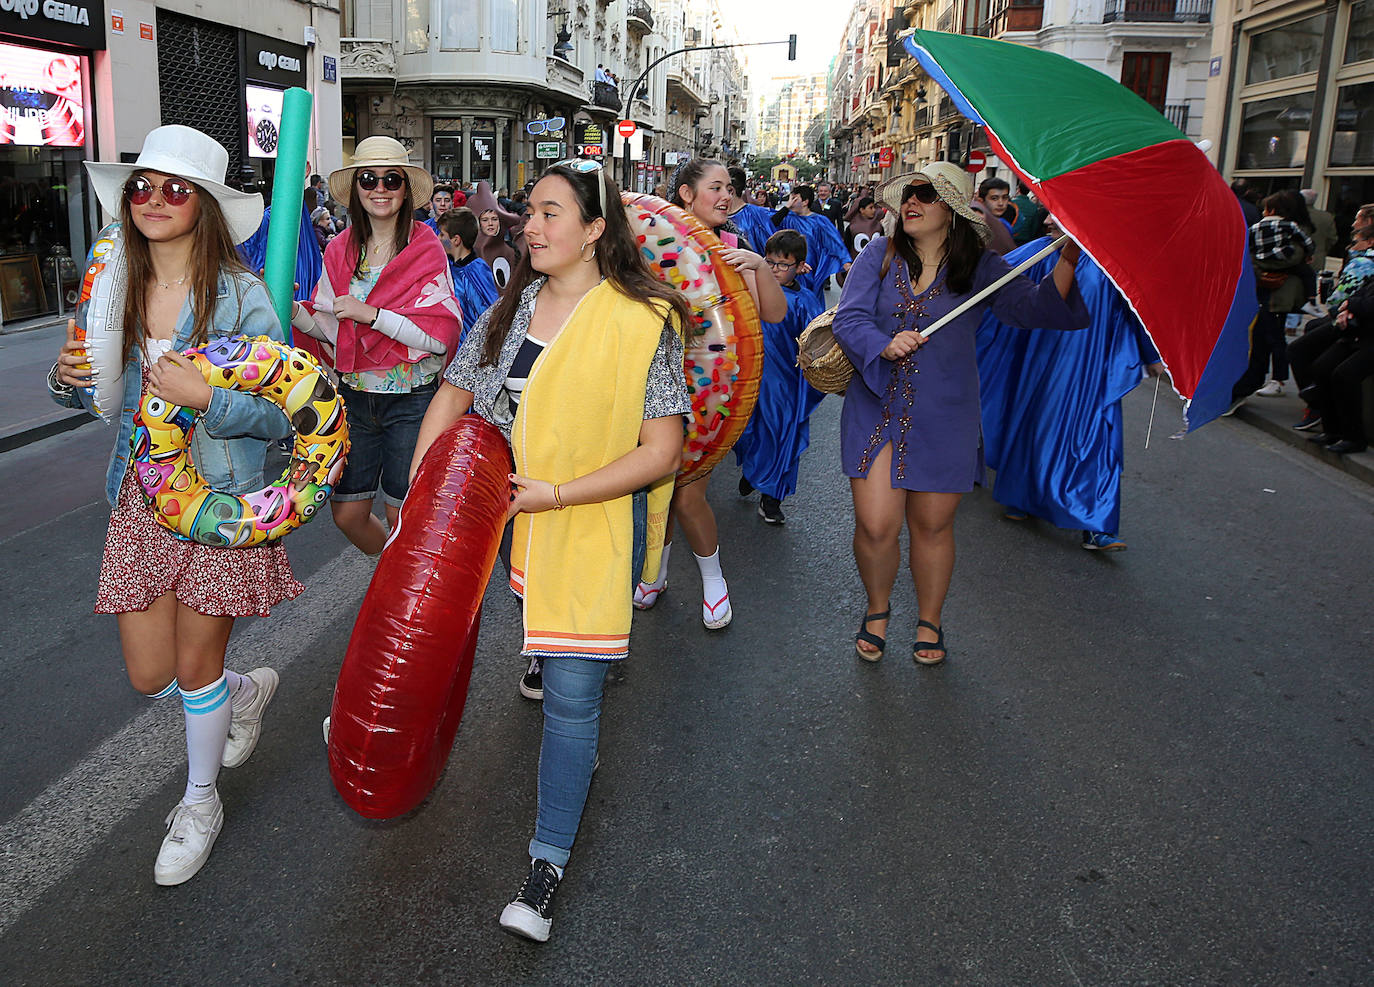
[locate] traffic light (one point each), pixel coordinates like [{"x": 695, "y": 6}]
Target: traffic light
[{"x": 791, "y": 47}]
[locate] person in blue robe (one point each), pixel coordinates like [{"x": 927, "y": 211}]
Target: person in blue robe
[
  {"x": 309, "y": 259},
  {"x": 770, "y": 449},
  {"x": 826, "y": 252},
  {"x": 1051, "y": 401},
  {"x": 755, "y": 222},
  {"x": 474, "y": 285}
]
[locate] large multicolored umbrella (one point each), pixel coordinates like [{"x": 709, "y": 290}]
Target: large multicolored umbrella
[{"x": 1129, "y": 187}]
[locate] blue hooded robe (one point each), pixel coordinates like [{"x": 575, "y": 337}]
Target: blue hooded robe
[
  {"x": 475, "y": 288},
  {"x": 1052, "y": 424},
  {"x": 309, "y": 260},
  {"x": 769, "y": 451},
  {"x": 825, "y": 251},
  {"x": 755, "y": 222}
]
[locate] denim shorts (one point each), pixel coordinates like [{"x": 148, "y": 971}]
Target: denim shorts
[{"x": 382, "y": 432}]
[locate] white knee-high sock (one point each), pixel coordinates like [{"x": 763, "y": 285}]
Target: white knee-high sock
[
  {"x": 712, "y": 580},
  {"x": 242, "y": 689},
  {"x": 207, "y": 727},
  {"x": 166, "y": 693}
]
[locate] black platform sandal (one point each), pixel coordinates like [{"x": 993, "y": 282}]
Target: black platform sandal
[
  {"x": 878, "y": 642},
  {"x": 937, "y": 645}
]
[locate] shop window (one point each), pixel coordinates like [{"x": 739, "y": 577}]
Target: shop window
[
  {"x": 1293, "y": 49},
  {"x": 1345, "y": 194},
  {"x": 505, "y": 25},
  {"x": 461, "y": 30},
  {"x": 482, "y": 151},
  {"x": 1359, "y": 42},
  {"x": 1274, "y": 132},
  {"x": 1353, "y": 140},
  {"x": 416, "y": 28},
  {"x": 1146, "y": 73},
  {"x": 447, "y": 151}
]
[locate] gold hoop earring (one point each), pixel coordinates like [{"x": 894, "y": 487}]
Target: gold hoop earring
[{"x": 587, "y": 260}]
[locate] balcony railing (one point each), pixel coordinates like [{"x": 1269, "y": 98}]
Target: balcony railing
[
  {"x": 1176, "y": 11},
  {"x": 1177, "y": 114},
  {"x": 639, "y": 11},
  {"x": 605, "y": 94}
]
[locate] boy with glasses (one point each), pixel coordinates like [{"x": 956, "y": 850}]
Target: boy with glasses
[{"x": 769, "y": 452}]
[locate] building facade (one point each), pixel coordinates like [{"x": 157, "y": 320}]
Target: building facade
[
  {"x": 887, "y": 114},
  {"x": 1290, "y": 101},
  {"x": 475, "y": 87},
  {"x": 83, "y": 81}
]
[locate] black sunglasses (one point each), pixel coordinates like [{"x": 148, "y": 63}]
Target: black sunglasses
[
  {"x": 922, "y": 193},
  {"x": 391, "y": 181}
]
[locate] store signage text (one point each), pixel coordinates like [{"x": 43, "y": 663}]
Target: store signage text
[
  {"x": 67, "y": 13},
  {"x": 273, "y": 60}
]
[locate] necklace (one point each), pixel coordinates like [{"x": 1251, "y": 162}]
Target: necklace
[{"x": 179, "y": 281}]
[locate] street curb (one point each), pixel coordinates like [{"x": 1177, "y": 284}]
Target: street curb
[
  {"x": 1360, "y": 466},
  {"x": 47, "y": 430}
]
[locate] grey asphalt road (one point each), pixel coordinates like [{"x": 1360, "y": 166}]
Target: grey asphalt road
[{"x": 1144, "y": 768}]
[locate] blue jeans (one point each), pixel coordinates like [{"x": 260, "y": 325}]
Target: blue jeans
[
  {"x": 572, "y": 719},
  {"x": 382, "y": 432}
]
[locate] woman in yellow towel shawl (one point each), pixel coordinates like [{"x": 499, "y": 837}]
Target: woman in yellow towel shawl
[{"x": 580, "y": 365}]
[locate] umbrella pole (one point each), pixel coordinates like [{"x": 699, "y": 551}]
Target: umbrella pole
[{"x": 1014, "y": 272}]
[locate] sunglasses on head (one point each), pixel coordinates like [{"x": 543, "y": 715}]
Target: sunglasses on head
[
  {"x": 924, "y": 192},
  {"x": 586, "y": 166},
  {"x": 175, "y": 192},
  {"x": 391, "y": 181}
]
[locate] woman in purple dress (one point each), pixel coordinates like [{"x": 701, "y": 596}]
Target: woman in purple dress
[{"x": 910, "y": 434}]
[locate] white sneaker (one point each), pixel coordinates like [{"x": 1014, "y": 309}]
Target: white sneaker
[
  {"x": 245, "y": 726},
  {"x": 191, "y": 833},
  {"x": 1273, "y": 389}
]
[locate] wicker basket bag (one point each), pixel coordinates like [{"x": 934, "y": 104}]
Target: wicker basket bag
[{"x": 822, "y": 362}]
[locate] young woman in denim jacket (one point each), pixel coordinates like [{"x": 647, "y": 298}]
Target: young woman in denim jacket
[{"x": 176, "y": 600}]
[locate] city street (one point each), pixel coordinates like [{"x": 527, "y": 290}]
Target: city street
[{"x": 1150, "y": 767}]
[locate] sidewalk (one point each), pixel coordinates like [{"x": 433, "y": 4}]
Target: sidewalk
[
  {"x": 1278, "y": 415},
  {"x": 27, "y": 413}
]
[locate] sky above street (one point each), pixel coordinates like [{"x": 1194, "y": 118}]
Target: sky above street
[{"x": 816, "y": 23}]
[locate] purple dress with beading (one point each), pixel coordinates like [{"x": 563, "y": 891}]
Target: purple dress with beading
[{"x": 927, "y": 404}]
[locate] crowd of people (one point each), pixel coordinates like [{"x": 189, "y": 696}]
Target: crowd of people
[
  {"x": 1331, "y": 353},
  {"x": 430, "y": 302}
]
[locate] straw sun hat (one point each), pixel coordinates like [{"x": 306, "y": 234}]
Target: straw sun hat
[
  {"x": 378, "y": 154},
  {"x": 181, "y": 152},
  {"x": 953, "y": 184}
]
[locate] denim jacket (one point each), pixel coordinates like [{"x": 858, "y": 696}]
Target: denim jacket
[{"x": 229, "y": 443}]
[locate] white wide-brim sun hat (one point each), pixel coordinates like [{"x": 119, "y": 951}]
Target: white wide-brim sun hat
[{"x": 182, "y": 152}]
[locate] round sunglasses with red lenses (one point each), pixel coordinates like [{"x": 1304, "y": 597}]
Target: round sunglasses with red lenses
[
  {"x": 138, "y": 190},
  {"x": 391, "y": 181}
]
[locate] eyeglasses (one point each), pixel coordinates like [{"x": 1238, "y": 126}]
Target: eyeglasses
[
  {"x": 925, "y": 192},
  {"x": 550, "y": 126},
  {"x": 391, "y": 181},
  {"x": 778, "y": 265},
  {"x": 138, "y": 190},
  {"x": 586, "y": 166}
]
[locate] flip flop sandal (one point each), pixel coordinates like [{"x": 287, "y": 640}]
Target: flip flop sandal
[
  {"x": 868, "y": 638},
  {"x": 937, "y": 645}
]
